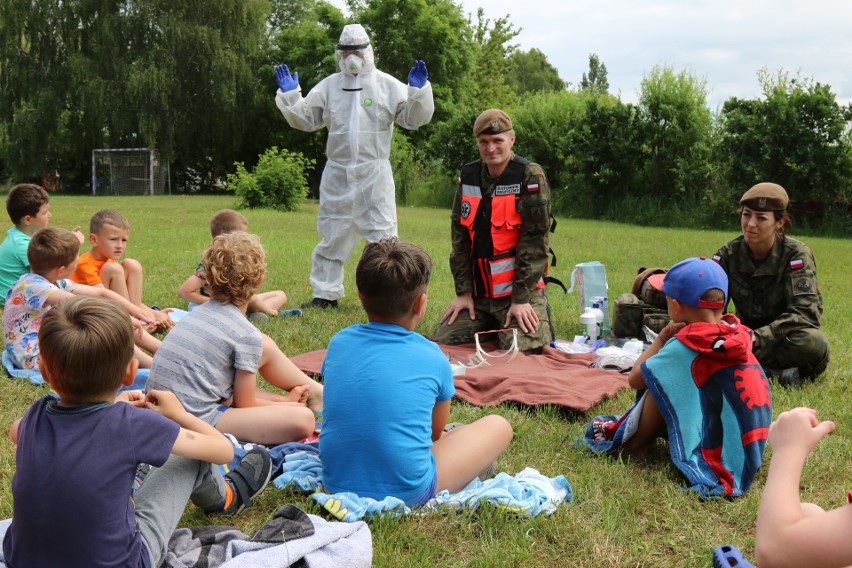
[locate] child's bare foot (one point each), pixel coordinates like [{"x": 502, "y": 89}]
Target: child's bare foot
[
  {"x": 297, "y": 394},
  {"x": 314, "y": 402}
]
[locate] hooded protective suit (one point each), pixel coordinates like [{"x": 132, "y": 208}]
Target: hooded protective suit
[{"x": 359, "y": 107}]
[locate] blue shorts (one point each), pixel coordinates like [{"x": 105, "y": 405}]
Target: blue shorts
[{"x": 424, "y": 497}]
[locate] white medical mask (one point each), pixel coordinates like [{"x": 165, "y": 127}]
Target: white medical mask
[{"x": 352, "y": 64}]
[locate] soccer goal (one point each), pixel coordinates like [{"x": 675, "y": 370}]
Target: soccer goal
[{"x": 129, "y": 171}]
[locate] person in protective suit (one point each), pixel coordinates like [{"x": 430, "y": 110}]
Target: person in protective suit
[{"x": 359, "y": 106}]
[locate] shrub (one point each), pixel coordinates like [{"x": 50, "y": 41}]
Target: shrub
[{"x": 278, "y": 181}]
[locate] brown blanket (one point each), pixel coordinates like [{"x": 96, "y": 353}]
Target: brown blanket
[{"x": 554, "y": 377}]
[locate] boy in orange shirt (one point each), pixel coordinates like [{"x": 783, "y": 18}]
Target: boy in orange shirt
[{"x": 109, "y": 231}]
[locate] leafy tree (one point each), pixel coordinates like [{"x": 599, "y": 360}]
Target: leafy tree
[
  {"x": 99, "y": 73},
  {"x": 545, "y": 124},
  {"x": 531, "y": 72},
  {"x": 596, "y": 80},
  {"x": 488, "y": 76},
  {"x": 796, "y": 136},
  {"x": 305, "y": 44},
  {"x": 675, "y": 131}
]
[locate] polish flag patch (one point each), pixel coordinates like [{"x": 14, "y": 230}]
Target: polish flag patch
[
  {"x": 717, "y": 259},
  {"x": 532, "y": 187},
  {"x": 797, "y": 264}
]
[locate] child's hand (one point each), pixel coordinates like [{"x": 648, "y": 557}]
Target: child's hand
[
  {"x": 163, "y": 320},
  {"x": 670, "y": 330},
  {"x": 165, "y": 403},
  {"x": 79, "y": 234},
  {"x": 138, "y": 327},
  {"x": 133, "y": 398},
  {"x": 798, "y": 430}
]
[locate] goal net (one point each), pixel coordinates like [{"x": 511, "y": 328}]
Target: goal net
[{"x": 129, "y": 171}]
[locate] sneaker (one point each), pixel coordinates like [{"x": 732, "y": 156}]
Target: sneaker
[
  {"x": 729, "y": 555},
  {"x": 142, "y": 471},
  {"x": 294, "y": 313},
  {"x": 257, "y": 317},
  {"x": 452, "y": 426},
  {"x": 248, "y": 479},
  {"x": 321, "y": 303}
]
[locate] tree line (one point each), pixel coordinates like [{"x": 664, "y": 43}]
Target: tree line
[{"x": 195, "y": 80}]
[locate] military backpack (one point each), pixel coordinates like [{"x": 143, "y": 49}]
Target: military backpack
[{"x": 643, "y": 306}]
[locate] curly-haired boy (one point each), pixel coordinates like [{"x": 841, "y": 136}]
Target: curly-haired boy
[{"x": 212, "y": 358}]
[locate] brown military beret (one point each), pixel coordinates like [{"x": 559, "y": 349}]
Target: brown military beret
[
  {"x": 765, "y": 197},
  {"x": 492, "y": 121}
]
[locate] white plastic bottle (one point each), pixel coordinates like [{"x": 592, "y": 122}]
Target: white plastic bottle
[
  {"x": 599, "y": 318},
  {"x": 589, "y": 325}
]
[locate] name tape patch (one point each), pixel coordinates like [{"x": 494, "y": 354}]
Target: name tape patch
[{"x": 514, "y": 189}]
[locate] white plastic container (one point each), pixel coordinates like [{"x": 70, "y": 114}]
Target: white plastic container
[
  {"x": 589, "y": 324},
  {"x": 599, "y": 318}
]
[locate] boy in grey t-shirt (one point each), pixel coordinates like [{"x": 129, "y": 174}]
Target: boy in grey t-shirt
[{"x": 211, "y": 360}]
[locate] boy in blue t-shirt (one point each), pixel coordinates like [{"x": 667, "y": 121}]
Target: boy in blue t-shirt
[
  {"x": 28, "y": 206},
  {"x": 387, "y": 392},
  {"x": 77, "y": 456}
]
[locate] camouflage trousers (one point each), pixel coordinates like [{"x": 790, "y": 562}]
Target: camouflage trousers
[
  {"x": 491, "y": 314},
  {"x": 806, "y": 349}
]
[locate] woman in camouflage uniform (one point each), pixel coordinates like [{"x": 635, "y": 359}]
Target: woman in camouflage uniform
[{"x": 773, "y": 284}]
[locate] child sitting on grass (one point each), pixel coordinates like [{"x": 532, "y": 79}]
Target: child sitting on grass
[
  {"x": 194, "y": 289},
  {"x": 108, "y": 234},
  {"x": 388, "y": 393},
  {"x": 52, "y": 255},
  {"x": 28, "y": 206},
  {"x": 77, "y": 457},
  {"x": 212, "y": 358},
  {"x": 789, "y": 532},
  {"x": 698, "y": 383}
]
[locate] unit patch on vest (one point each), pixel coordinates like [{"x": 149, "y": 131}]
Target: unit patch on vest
[
  {"x": 465, "y": 209},
  {"x": 514, "y": 189}
]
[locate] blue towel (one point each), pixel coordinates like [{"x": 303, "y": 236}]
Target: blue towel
[
  {"x": 527, "y": 493},
  {"x": 715, "y": 400},
  {"x": 35, "y": 377}
]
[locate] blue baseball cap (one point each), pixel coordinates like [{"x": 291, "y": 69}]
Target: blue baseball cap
[{"x": 690, "y": 279}]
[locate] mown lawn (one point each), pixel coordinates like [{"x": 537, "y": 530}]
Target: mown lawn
[{"x": 623, "y": 514}]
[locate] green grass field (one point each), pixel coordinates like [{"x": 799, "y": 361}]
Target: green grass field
[{"x": 623, "y": 513}]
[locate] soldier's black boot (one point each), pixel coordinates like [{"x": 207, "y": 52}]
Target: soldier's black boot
[
  {"x": 790, "y": 378},
  {"x": 321, "y": 303}
]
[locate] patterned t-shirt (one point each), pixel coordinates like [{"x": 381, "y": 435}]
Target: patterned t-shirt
[{"x": 26, "y": 305}]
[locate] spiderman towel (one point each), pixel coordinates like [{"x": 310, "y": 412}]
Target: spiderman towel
[{"x": 714, "y": 397}]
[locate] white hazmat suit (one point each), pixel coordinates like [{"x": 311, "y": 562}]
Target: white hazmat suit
[{"x": 359, "y": 107}]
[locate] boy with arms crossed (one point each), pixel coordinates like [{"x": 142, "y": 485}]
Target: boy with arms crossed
[
  {"x": 389, "y": 390},
  {"x": 77, "y": 456}
]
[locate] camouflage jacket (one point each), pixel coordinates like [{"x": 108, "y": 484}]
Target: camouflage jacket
[
  {"x": 776, "y": 295},
  {"x": 533, "y": 245}
]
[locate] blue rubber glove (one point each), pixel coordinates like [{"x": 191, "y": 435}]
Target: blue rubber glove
[
  {"x": 418, "y": 75},
  {"x": 286, "y": 82}
]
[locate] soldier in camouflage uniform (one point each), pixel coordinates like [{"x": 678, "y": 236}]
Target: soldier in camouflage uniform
[
  {"x": 500, "y": 224},
  {"x": 773, "y": 284}
]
